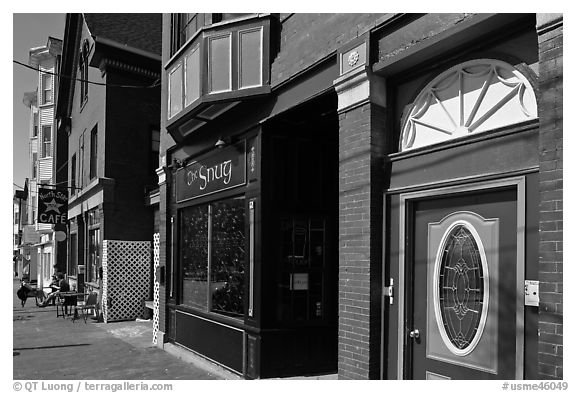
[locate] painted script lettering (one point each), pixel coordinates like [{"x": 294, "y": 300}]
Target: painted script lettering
[{"x": 206, "y": 175}]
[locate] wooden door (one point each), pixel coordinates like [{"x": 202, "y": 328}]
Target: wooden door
[{"x": 462, "y": 262}]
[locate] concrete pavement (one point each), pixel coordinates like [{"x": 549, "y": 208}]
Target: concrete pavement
[{"x": 46, "y": 347}]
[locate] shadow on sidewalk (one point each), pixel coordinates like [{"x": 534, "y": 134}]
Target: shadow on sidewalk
[{"x": 51, "y": 347}]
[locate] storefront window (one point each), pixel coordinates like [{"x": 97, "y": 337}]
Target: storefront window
[
  {"x": 227, "y": 270},
  {"x": 73, "y": 258},
  {"x": 213, "y": 256},
  {"x": 194, "y": 249},
  {"x": 93, "y": 254}
]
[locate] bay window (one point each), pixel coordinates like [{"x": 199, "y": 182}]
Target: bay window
[{"x": 224, "y": 61}]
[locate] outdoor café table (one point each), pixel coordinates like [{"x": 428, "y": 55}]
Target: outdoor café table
[{"x": 65, "y": 300}]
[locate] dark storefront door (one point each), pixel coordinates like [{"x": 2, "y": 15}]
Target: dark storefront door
[{"x": 462, "y": 323}]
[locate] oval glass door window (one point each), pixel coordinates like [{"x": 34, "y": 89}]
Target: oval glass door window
[{"x": 461, "y": 288}]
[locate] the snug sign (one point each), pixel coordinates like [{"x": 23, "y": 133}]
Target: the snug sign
[{"x": 212, "y": 173}]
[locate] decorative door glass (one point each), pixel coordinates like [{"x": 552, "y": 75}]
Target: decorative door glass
[{"x": 461, "y": 287}]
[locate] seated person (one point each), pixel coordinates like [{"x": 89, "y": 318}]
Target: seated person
[
  {"x": 54, "y": 284},
  {"x": 62, "y": 286}
]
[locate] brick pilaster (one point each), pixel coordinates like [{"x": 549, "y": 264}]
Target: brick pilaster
[
  {"x": 550, "y": 329},
  {"x": 360, "y": 232}
]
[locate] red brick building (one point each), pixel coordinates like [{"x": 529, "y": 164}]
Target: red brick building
[
  {"x": 364, "y": 194},
  {"x": 108, "y": 134}
]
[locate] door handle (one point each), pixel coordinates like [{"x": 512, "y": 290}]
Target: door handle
[{"x": 415, "y": 334}]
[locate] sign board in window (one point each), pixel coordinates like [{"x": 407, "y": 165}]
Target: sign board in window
[
  {"x": 212, "y": 173},
  {"x": 52, "y": 206},
  {"x": 299, "y": 282}
]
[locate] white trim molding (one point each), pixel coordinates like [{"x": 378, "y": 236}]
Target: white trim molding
[{"x": 358, "y": 87}]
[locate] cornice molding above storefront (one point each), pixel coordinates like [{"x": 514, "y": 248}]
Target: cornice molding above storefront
[{"x": 98, "y": 191}]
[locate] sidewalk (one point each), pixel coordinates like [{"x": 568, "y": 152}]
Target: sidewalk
[{"x": 46, "y": 347}]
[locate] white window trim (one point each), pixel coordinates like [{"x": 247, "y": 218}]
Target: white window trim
[
  {"x": 209, "y": 73},
  {"x": 240, "y": 33}
]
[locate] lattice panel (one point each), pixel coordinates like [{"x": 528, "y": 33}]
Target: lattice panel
[
  {"x": 126, "y": 275},
  {"x": 156, "y": 317}
]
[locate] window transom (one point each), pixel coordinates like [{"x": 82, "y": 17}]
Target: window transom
[{"x": 472, "y": 97}]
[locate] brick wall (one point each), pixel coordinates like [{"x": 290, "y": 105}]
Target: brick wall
[
  {"x": 360, "y": 234},
  {"x": 307, "y": 38},
  {"x": 550, "y": 329}
]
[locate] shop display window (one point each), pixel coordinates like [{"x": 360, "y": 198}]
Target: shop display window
[
  {"x": 94, "y": 244},
  {"x": 212, "y": 254},
  {"x": 194, "y": 255}
]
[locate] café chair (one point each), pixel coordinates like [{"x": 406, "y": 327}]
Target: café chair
[{"x": 89, "y": 304}]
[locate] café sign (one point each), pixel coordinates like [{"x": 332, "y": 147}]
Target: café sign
[
  {"x": 52, "y": 206},
  {"x": 212, "y": 173}
]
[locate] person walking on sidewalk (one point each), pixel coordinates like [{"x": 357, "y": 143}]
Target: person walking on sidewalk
[
  {"x": 63, "y": 286},
  {"x": 22, "y": 292}
]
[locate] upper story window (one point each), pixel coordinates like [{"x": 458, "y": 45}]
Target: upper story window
[
  {"x": 35, "y": 125},
  {"x": 33, "y": 208},
  {"x": 184, "y": 26},
  {"x": 154, "y": 149},
  {"x": 83, "y": 64},
  {"x": 73, "y": 175},
  {"x": 472, "y": 97},
  {"x": 47, "y": 96},
  {"x": 226, "y": 17},
  {"x": 46, "y": 141},
  {"x": 34, "y": 165},
  {"x": 93, "y": 152}
]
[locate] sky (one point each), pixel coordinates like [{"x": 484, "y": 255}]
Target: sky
[{"x": 29, "y": 31}]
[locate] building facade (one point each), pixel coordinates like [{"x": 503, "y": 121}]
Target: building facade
[
  {"x": 17, "y": 212},
  {"x": 377, "y": 195},
  {"x": 39, "y": 244},
  {"x": 108, "y": 115}
]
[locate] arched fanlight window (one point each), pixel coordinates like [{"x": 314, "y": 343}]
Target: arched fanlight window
[{"x": 472, "y": 97}]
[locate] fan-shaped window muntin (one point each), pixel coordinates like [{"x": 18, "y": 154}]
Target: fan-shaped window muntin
[
  {"x": 472, "y": 97},
  {"x": 461, "y": 288}
]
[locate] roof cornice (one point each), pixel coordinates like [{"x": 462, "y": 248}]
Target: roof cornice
[{"x": 126, "y": 48}]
